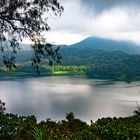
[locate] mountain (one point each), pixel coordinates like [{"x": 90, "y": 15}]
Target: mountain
[
  {"x": 96, "y": 50},
  {"x": 94, "y": 43},
  {"x": 21, "y": 57},
  {"x": 107, "y": 59},
  {"x": 88, "y": 51}
]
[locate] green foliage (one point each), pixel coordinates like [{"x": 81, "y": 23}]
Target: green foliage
[
  {"x": 39, "y": 134},
  {"x": 121, "y": 128},
  {"x": 104, "y": 64},
  {"x": 68, "y": 68},
  {"x": 113, "y": 71},
  {"x": 98, "y": 64},
  {"x": 73, "y": 129},
  {"x": 2, "y": 108},
  {"x": 10, "y": 125},
  {"x": 26, "y": 128},
  {"x": 24, "y": 18},
  {"x": 26, "y": 70},
  {"x": 70, "y": 116}
]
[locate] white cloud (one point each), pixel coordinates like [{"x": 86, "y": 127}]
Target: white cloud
[
  {"x": 117, "y": 23},
  {"x": 64, "y": 37},
  {"x": 78, "y": 22}
]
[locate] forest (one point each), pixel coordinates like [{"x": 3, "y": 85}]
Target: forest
[
  {"x": 14, "y": 127},
  {"x": 98, "y": 65},
  {"x": 115, "y": 56}
]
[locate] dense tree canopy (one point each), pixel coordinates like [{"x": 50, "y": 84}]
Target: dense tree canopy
[
  {"x": 2, "y": 107},
  {"x": 26, "y": 18},
  {"x": 26, "y": 127}
]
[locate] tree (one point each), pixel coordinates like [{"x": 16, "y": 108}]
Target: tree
[
  {"x": 70, "y": 116},
  {"x": 2, "y": 107},
  {"x": 27, "y": 18}
]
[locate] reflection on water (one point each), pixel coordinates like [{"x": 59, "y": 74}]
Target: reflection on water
[{"x": 53, "y": 97}]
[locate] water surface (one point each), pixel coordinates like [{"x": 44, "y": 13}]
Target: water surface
[{"x": 53, "y": 97}]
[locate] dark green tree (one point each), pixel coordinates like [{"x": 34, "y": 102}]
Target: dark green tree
[
  {"x": 27, "y": 18},
  {"x": 2, "y": 107},
  {"x": 70, "y": 116}
]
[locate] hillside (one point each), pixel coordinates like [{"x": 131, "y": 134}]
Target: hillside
[
  {"x": 94, "y": 43},
  {"x": 86, "y": 50},
  {"x": 107, "y": 59},
  {"x": 97, "y": 51}
]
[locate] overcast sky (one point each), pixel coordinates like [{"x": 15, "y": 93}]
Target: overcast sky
[{"x": 113, "y": 19}]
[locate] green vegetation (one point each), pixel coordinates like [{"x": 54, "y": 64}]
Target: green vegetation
[
  {"x": 68, "y": 70},
  {"x": 25, "y": 18},
  {"x": 13, "y": 127},
  {"x": 27, "y": 70},
  {"x": 97, "y": 64},
  {"x": 93, "y": 57},
  {"x": 89, "y": 60},
  {"x": 104, "y": 70},
  {"x": 117, "y": 72},
  {"x": 104, "y": 63}
]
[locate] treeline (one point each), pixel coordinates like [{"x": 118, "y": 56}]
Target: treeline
[
  {"x": 115, "y": 65},
  {"x": 68, "y": 68},
  {"x": 94, "y": 64},
  {"x": 14, "y": 127},
  {"x": 115, "y": 72},
  {"x": 45, "y": 70}
]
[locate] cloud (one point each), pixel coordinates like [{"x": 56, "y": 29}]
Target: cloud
[
  {"x": 114, "y": 19},
  {"x": 63, "y": 38},
  {"x": 101, "y": 5},
  {"x": 121, "y": 23},
  {"x": 71, "y": 19}
]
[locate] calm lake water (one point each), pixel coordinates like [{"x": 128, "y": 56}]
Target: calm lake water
[{"x": 53, "y": 97}]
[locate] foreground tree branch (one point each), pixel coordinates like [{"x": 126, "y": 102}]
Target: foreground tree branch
[{"x": 27, "y": 18}]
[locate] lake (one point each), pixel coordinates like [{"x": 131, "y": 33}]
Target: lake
[{"x": 53, "y": 97}]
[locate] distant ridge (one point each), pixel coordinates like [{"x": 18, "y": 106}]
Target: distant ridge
[
  {"x": 86, "y": 51},
  {"x": 95, "y": 43},
  {"x": 93, "y": 50}
]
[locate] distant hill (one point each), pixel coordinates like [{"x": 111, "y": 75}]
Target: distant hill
[
  {"x": 106, "y": 59},
  {"x": 95, "y": 50},
  {"x": 21, "y": 57},
  {"x": 94, "y": 43},
  {"x": 88, "y": 51}
]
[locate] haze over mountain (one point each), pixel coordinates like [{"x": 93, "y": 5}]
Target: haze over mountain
[
  {"x": 106, "y": 58},
  {"x": 94, "y": 43},
  {"x": 85, "y": 51}
]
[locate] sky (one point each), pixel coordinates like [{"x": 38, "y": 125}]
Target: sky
[{"x": 111, "y": 19}]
